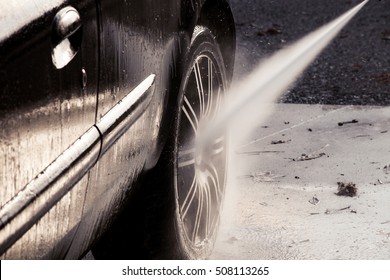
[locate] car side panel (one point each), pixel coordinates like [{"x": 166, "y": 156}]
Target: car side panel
[{"x": 138, "y": 38}]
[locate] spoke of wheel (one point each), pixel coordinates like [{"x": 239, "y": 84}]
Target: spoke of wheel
[
  {"x": 198, "y": 215},
  {"x": 189, "y": 197},
  {"x": 186, "y": 158},
  {"x": 218, "y": 146},
  {"x": 212, "y": 173},
  {"x": 199, "y": 85},
  {"x": 210, "y": 87},
  {"x": 218, "y": 102},
  {"x": 208, "y": 204},
  {"x": 190, "y": 114}
]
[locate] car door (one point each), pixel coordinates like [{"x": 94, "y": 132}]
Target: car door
[
  {"x": 138, "y": 44},
  {"x": 48, "y": 95}
]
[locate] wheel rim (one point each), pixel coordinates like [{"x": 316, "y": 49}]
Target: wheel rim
[{"x": 200, "y": 173}]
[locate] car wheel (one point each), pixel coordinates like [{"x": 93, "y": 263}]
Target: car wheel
[
  {"x": 199, "y": 171},
  {"x": 176, "y": 211}
]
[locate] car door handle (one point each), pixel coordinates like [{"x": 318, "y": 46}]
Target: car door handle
[
  {"x": 66, "y": 36},
  {"x": 67, "y": 22}
]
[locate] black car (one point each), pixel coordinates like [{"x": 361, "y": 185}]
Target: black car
[{"x": 101, "y": 103}]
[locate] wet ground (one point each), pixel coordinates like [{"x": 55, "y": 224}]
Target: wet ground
[{"x": 282, "y": 201}]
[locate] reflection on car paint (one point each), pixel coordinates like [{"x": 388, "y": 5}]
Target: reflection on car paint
[{"x": 20, "y": 213}]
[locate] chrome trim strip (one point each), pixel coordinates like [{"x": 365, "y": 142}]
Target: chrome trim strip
[
  {"x": 19, "y": 214},
  {"x": 116, "y": 121}
]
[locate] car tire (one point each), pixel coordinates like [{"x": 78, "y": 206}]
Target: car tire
[{"x": 175, "y": 212}]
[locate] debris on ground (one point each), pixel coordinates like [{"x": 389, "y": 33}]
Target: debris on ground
[
  {"x": 383, "y": 78},
  {"x": 362, "y": 135},
  {"x": 386, "y": 169},
  {"x": 347, "y": 122},
  {"x": 313, "y": 155},
  {"x": 380, "y": 182},
  {"x": 274, "y": 30},
  {"x": 377, "y": 182},
  {"x": 276, "y": 142},
  {"x": 334, "y": 211},
  {"x": 346, "y": 189},
  {"x": 314, "y": 200},
  {"x": 304, "y": 157},
  {"x": 257, "y": 153},
  {"x": 386, "y": 35},
  {"x": 299, "y": 242},
  {"x": 310, "y": 130},
  {"x": 232, "y": 240},
  {"x": 258, "y": 177}
]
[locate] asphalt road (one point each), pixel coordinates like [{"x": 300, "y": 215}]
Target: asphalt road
[{"x": 354, "y": 69}]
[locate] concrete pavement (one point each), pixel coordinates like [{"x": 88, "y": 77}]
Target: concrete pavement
[{"x": 282, "y": 203}]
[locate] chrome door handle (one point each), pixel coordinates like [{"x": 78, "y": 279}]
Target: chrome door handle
[
  {"x": 66, "y": 22},
  {"x": 66, "y": 36}
]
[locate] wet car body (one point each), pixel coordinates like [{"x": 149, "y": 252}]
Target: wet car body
[{"x": 88, "y": 93}]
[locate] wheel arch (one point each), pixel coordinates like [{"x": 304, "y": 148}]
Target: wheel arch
[
  {"x": 215, "y": 15},
  {"x": 218, "y": 17}
]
